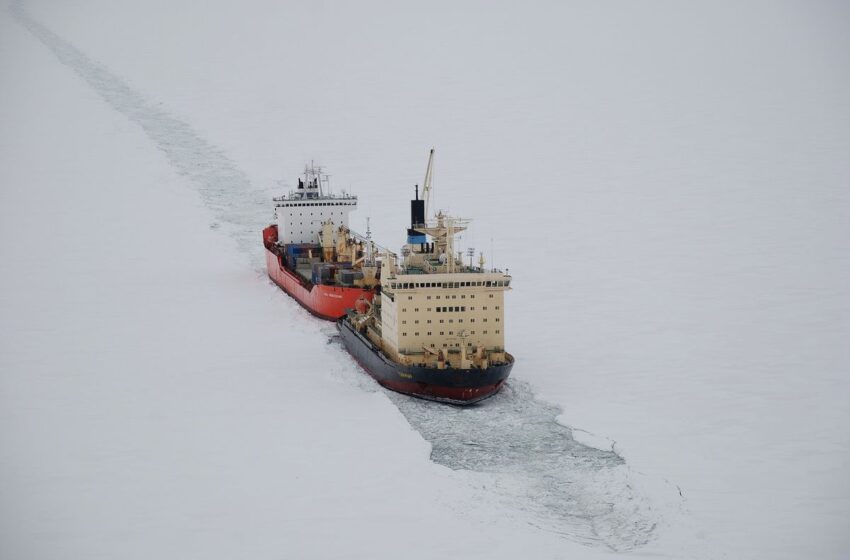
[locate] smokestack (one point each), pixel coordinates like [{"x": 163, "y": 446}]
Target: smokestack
[{"x": 417, "y": 210}]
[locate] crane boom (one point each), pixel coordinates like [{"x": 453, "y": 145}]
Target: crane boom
[{"x": 426, "y": 185}]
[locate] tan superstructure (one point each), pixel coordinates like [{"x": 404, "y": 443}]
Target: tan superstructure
[
  {"x": 422, "y": 314},
  {"x": 436, "y": 327},
  {"x": 435, "y": 311}
]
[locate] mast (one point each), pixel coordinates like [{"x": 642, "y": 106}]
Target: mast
[
  {"x": 313, "y": 180},
  {"x": 450, "y": 244},
  {"x": 370, "y": 260}
]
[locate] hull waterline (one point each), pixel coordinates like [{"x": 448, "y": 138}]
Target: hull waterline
[
  {"x": 323, "y": 301},
  {"x": 454, "y": 386}
]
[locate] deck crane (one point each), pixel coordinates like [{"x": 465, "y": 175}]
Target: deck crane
[{"x": 426, "y": 186}]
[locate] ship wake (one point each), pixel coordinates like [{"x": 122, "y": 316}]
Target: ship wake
[
  {"x": 537, "y": 466},
  {"x": 539, "y": 469},
  {"x": 224, "y": 188}
]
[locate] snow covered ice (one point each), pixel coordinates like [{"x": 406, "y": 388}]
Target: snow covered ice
[{"x": 667, "y": 184}]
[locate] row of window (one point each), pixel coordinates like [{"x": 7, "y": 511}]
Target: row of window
[
  {"x": 292, "y": 214},
  {"x": 413, "y": 285},
  {"x": 447, "y": 309},
  {"x": 295, "y": 203},
  {"x": 462, "y": 296},
  {"x": 455, "y": 345},
  {"x": 451, "y": 321},
  {"x": 442, "y": 333}
]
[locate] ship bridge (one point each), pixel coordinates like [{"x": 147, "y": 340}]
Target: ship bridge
[{"x": 300, "y": 214}]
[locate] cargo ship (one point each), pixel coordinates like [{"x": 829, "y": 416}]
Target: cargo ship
[
  {"x": 436, "y": 328},
  {"x": 313, "y": 255}
]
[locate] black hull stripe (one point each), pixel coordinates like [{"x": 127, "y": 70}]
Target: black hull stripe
[{"x": 448, "y": 385}]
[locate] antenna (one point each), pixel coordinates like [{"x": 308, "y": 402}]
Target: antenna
[
  {"x": 471, "y": 253},
  {"x": 326, "y": 178},
  {"x": 492, "y": 254}
]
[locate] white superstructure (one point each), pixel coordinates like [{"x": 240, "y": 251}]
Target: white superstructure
[{"x": 300, "y": 214}]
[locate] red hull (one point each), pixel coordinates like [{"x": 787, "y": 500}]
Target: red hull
[{"x": 326, "y": 302}]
